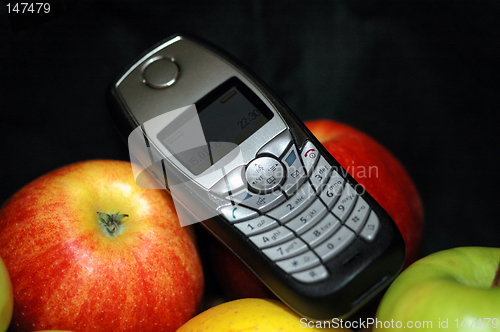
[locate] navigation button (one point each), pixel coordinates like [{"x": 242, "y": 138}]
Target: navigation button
[{"x": 264, "y": 174}]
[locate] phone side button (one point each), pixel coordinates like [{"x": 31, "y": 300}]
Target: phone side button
[
  {"x": 299, "y": 263},
  {"x": 257, "y": 225},
  {"x": 312, "y": 275},
  {"x": 237, "y": 213},
  {"x": 335, "y": 244}
]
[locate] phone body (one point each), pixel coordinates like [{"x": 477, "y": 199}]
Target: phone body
[{"x": 284, "y": 205}]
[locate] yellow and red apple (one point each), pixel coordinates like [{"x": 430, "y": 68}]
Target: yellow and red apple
[
  {"x": 374, "y": 167},
  {"x": 89, "y": 250}
]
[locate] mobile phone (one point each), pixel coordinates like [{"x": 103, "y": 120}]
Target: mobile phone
[{"x": 279, "y": 200}]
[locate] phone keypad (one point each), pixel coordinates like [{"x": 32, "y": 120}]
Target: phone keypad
[{"x": 311, "y": 214}]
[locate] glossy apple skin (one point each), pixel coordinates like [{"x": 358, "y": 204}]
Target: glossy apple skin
[
  {"x": 6, "y": 298},
  {"x": 384, "y": 178},
  {"x": 68, "y": 273},
  {"x": 450, "y": 284}
]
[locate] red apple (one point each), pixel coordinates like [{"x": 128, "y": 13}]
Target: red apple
[
  {"x": 76, "y": 264},
  {"x": 381, "y": 174}
]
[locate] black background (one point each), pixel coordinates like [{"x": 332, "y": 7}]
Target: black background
[{"x": 421, "y": 77}]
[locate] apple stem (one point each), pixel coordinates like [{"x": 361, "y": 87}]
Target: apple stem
[
  {"x": 496, "y": 280},
  {"x": 111, "y": 221}
]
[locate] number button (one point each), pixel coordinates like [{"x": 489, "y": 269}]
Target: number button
[
  {"x": 320, "y": 174},
  {"x": 334, "y": 245},
  {"x": 256, "y": 225},
  {"x": 288, "y": 249},
  {"x": 312, "y": 275},
  {"x": 345, "y": 203},
  {"x": 272, "y": 237},
  {"x": 237, "y": 213},
  {"x": 371, "y": 228},
  {"x": 358, "y": 216},
  {"x": 308, "y": 218},
  {"x": 333, "y": 189},
  {"x": 322, "y": 230},
  {"x": 298, "y": 202},
  {"x": 298, "y": 263}
]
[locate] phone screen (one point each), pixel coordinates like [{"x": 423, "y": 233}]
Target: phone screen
[{"x": 228, "y": 115}]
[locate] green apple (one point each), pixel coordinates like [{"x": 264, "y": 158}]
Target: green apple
[
  {"x": 455, "y": 289},
  {"x": 6, "y": 298}
]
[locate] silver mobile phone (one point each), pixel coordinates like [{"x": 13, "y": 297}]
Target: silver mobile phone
[{"x": 246, "y": 167}]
